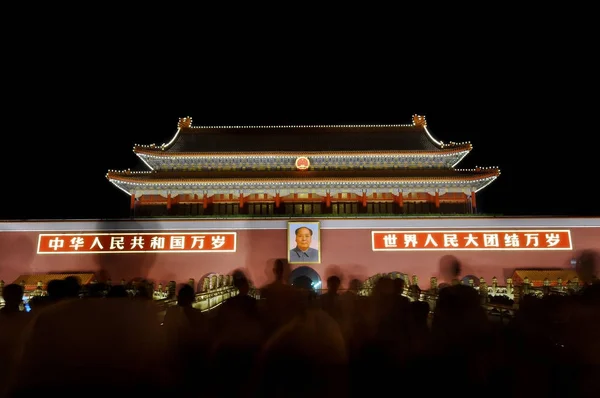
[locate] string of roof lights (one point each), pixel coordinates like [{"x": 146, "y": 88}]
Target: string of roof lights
[
  {"x": 449, "y": 144},
  {"x": 140, "y": 172},
  {"x": 286, "y": 182},
  {"x": 225, "y": 155}
]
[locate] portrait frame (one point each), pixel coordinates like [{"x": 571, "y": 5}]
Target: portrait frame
[{"x": 294, "y": 257}]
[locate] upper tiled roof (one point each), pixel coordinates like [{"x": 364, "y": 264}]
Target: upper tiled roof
[{"x": 329, "y": 138}]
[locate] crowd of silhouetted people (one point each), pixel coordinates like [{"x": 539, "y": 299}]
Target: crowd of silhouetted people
[{"x": 293, "y": 342}]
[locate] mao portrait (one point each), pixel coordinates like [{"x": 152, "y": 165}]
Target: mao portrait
[{"x": 304, "y": 242}]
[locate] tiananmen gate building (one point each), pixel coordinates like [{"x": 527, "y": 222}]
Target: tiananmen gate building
[{"x": 215, "y": 199}]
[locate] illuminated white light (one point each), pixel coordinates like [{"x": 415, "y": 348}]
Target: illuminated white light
[
  {"x": 146, "y": 163},
  {"x": 431, "y": 137},
  {"x": 486, "y": 184},
  {"x": 303, "y": 126},
  {"x": 116, "y": 184},
  {"x": 172, "y": 140}
]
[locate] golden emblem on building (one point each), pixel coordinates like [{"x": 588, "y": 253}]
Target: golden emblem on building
[{"x": 302, "y": 163}]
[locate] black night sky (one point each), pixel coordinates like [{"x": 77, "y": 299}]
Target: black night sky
[{"x": 78, "y": 116}]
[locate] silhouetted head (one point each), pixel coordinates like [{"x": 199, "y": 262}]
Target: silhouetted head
[
  {"x": 117, "y": 291},
  {"x": 279, "y": 268},
  {"x": 13, "y": 295},
  {"x": 333, "y": 283},
  {"x": 144, "y": 290},
  {"x": 186, "y": 296},
  {"x": 384, "y": 287},
  {"x": 398, "y": 286},
  {"x": 354, "y": 285},
  {"x": 458, "y": 298},
  {"x": 586, "y": 265},
  {"x": 57, "y": 289},
  {"x": 94, "y": 290},
  {"x": 72, "y": 286},
  {"x": 242, "y": 284},
  {"x": 450, "y": 268},
  {"x": 238, "y": 273}
]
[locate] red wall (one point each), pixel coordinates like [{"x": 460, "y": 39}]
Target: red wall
[{"x": 345, "y": 249}]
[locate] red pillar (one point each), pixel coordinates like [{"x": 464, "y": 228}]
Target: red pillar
[
  {"x": 277, "y": 200},
  {"x": 204, "y": 201},
  {"x": 364, "y": 199},
  {"x": 328, "y": 200},
  {"x": 169, "y": 201},
  {"x": 473, "y": 202},
  {"x": 241, "y": 200},
  {"x": 437, "y": 200},
  {"x": 400, "y": 199},
  {"x": 132, "y": 204}
]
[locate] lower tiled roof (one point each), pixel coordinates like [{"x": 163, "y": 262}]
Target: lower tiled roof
[{"x": 417, "y": 174}]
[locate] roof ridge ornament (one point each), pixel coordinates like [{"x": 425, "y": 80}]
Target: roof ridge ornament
[
  {"x": 185, "y": 122},
  {"x": 419, "y": 120}
]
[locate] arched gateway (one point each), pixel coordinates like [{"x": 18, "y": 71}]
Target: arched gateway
[{"x": 306, "y": 272}]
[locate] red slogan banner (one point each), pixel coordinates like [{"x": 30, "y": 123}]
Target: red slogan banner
[
  {"x": 171, "y": 242},
  {"x": 472, "y": 240}
]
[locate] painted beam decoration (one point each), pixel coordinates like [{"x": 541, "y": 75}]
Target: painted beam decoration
[
  {"x": 471, "y": 240},
  {"x": 158, "y": 242}
]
